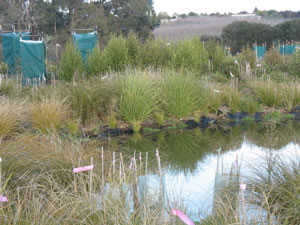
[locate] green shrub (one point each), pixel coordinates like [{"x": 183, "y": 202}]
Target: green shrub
[
  {"x": 154, "y": 53},
  {"x": 268, "y": 93},
  {"x": 250, "y": 106},
  {"x": 247, "y": 56},
  {"x": 232, "y": 98},
  {"x": 133, "y": 46},
  {"x": 70, "y": 63},
  {"x": 117, "y": 53},
  {"x": 291, "y": 95},
  {"x": 3, "y": 68},
  {"x": 182, "y": 95},
  {"x": 294, "y": 68},
  {"x": 216, "y": 54},
  {"x": 191, "y": 55},
  {"x": 273, "y": 57},
  {"x": 137, "y": 99},
  {"x": 96, "y": 63}
]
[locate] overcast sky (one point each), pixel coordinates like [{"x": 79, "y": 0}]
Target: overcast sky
[{"x": 234, "y": 6}]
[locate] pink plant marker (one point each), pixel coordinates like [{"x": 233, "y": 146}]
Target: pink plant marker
[
  {"x": 84, "y": 168},
  {"x": 3, "y": 198},
  {"x": 243, "y": 187},
  {"x": 182, "y": 216}
]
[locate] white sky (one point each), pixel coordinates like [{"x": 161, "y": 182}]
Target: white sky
[{"x": 212, "y": 6}]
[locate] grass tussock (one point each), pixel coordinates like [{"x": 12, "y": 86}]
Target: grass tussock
[
  {"x": 12, "y": 114},
  {"x": 49, "y": 115},
  {"x": 277, "y": 184},
  {"x": 268, "y": 93},
  {"x": 182, "y": 95},
  {"x": 138, "y": 99}
]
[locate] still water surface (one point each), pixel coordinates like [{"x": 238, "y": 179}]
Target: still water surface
[{"x": 196, "y": 163}]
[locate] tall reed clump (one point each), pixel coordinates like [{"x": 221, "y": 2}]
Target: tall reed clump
[
  {"x": 116, "y": 53},
  {"x": 277, "y": 183},
  {"x": 12, "y": 115},
  {"x": 49, "y": 115},
  {"x": 138, "y": 99},
  {"x": 216, "y": 54},
  {"x": 268, "y": 93},
  {"x": 154, "y": 53},
  {"x": 232, "y": 97},
  {"x": 70, "y": 63},
  {"x": 89, "y": 100},
  {"x": 190, "y": 55},
  {"x": 96, "y": 63},
  {"x": 182, "y": 95},
  {"x": 291, "y": 94}
]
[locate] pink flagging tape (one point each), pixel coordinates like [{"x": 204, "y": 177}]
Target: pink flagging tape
[
  {"x": 3, "y": 198},
  {"x": 243, "y": 187},
  {"x": 182, "y": 216},
  {"x": 84, "y": 168}
]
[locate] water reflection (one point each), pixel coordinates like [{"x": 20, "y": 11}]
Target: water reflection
[{"x": 196, "y": 175}]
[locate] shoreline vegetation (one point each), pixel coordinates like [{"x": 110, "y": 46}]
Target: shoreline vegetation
[
  {"x": 128, "y": 86},
  {"x": 132, "y": 86}
]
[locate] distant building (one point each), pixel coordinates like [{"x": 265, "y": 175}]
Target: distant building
[{"x": 249, "y": 15}]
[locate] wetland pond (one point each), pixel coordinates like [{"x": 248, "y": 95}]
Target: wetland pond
[{"x": 196, "y": 165}]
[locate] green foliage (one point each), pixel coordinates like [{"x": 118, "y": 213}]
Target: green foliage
[
  {"x": 190, "y": 54},
  {"x": 96, "y": 63},
  {"x": 182, "y": 95},
  {"x": 288, "y": 31},
  {"x": 3, "y": 68},
  {"x": 232, "y": 98},
  {"x": 70, "y": 63},
  {"x": 268, "y": 93},
  {"x": 154, "y": 53},
  {"x": 291, "y": 95},
  {"x": 117, "y": 53},
  {"x": 242, "y": 34},
  {"x": 247, "y": 56},
  {"x": 273, "y": 57},
  {"x": 278, "y": 179},
  {"x": 294, "y": 68},
  {"x": 137, "y": 100},
  {"x": 133, "y": 46},
  {"x": 250, "y": 106}
]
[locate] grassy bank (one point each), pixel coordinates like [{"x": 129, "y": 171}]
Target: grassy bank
[{"x": 136, "y": 99}]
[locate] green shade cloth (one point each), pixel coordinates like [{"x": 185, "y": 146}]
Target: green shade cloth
[
  {"x": 33, "y": 61},
  {"x": 287, "y": 49},
  {"x": 11, "y": 50},
  {"x": 260, "y": 51},
  {"x": 85, "y": 43}
]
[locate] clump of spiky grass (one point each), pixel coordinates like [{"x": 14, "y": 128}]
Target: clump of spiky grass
[
  {"x": 137, "y": 99},
  {"x": 277, "y": 182},
  {"x": 12, "y": 114},
  {"x": 182, "y": 95},
  {"x": 8, "y": 87},
  {"x": 291, "y": 95},
  {"x": 48, "y": 115},
  {"x": 268, "y": 93},
  {"x": 232, "y": 98}
]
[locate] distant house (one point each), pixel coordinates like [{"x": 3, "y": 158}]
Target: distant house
[{"x": 248, "y": 15}]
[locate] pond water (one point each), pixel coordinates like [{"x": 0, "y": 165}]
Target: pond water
[{"x": 197, "y": 164}]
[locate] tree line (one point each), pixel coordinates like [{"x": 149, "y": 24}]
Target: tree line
[
  {"x": 242, "y": 34},
  {"x": 59, "y": 17}
]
